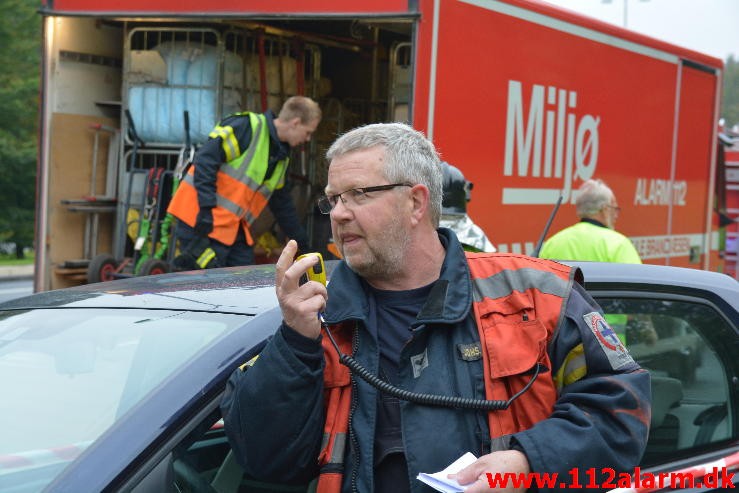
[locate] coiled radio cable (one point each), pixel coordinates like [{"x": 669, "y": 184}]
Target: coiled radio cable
[{"x": 421, "y": 398}]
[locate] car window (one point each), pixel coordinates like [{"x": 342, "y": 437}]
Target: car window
[
  {"x": 68, "y": 375},
  {"x": 684, "y": 346}
]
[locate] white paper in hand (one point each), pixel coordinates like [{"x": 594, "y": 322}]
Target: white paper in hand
[{"x": 439, "y": 480}]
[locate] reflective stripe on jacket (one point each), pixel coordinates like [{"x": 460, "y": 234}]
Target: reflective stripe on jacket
[
  {"x": 518, "y": 302},
  {"x": 242, "y": 187}
]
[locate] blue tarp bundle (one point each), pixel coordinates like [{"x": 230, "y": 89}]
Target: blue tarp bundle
[{"x": 192, "y": 79}]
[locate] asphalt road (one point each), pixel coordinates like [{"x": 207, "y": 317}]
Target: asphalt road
[{"x": 15, "y": 288}]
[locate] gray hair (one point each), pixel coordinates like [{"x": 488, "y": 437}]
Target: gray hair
[
  {"x": 409, "y": 157},
  {"x": 592, "y": 197}
]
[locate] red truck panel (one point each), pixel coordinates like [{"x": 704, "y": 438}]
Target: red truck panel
[
  {"x": 547, "y": 104},
  {"x": 692, "y": 199},
  {"x": 173, "y": 7}
]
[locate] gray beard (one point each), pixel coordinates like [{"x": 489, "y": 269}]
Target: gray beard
[{"x": 386, "y": 257}]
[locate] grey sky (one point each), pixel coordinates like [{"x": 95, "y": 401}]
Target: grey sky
[{"x": 708, "y": 26}]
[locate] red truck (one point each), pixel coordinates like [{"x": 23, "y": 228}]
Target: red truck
[{"x": 527, "y": 99}]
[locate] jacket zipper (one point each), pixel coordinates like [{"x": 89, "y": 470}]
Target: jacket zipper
[{"x": 352, "y": 435}]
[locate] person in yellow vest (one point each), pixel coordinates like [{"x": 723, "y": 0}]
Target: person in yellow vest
[
  {"x": 593, "y": 238},
  {"x": 440, "y": 340},
  {"x": 238, "y": 171}
]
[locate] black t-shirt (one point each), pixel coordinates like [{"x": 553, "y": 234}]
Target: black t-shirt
[{"x": 390, "y": 317}]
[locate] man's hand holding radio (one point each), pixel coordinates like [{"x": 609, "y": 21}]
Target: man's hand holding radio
[{"x": 300, "y": 303}]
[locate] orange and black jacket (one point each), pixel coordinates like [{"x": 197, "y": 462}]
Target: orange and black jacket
[
  {"x": 589, "y": 409},
  {"x": 199, "y": 190}
]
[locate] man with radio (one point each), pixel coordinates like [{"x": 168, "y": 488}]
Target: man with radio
[{"x": 450, "y": 352}]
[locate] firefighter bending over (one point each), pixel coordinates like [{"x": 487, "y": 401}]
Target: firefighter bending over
[{"x": 240, "y": 170}]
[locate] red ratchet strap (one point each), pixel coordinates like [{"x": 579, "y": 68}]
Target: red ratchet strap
[
  {"x": 262, "y": 69},
  {"x": 300, "y": 66},
  {"x": 152, "y": 185}
]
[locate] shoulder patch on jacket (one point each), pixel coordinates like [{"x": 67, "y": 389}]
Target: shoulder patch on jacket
[{"x": 612, "y": 346}]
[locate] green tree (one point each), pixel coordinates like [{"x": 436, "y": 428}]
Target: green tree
[
  {"x": 20, "y": 55},
  {"x": 730, "y": 102}
]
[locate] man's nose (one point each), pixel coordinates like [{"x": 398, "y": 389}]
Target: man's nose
[{"x": 340, "y": 210}]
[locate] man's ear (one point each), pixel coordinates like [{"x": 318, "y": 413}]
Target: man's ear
[
  {"x": 419, "y": 201},
  {"x": 295, "y": 122}
]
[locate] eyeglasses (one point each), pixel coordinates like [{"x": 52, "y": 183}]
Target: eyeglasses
[
  {"x": 614, "y": 207},
  {"x": 353, "y": 196}
]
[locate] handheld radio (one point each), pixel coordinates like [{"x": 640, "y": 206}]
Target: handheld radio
[{"x": 317, "y": 272}]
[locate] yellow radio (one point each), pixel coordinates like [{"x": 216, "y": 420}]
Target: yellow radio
[{"x": 317, "y": 272}]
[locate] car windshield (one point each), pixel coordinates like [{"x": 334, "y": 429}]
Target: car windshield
[{"x": 68, "y": 374}]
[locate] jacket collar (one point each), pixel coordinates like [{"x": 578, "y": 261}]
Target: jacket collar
[
  {"x": 449, "y": 301},
  {"x": 593, "y": 221},
  {"x": 269, "y": 117},
  {"x": 278, "y": 150}
]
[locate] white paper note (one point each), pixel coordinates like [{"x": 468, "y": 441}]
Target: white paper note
[{"x": 439, "y": 480}]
